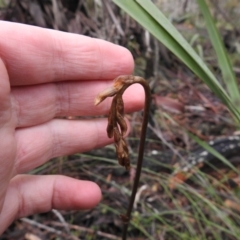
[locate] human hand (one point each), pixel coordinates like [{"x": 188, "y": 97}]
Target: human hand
[{"x": 46, "y": 74}]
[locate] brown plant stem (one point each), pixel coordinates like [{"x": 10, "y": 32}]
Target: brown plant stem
[{"x": 120, "y": 85}]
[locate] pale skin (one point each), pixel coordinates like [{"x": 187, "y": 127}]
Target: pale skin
[{"x": 46, "y": 74}]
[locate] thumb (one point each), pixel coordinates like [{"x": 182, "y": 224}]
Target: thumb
[{"x": 28, "y": 194}]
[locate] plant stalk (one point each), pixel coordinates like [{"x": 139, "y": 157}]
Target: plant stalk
[
  {"x": 140, "y": 153},
  {"x": 117, "y": 128}
]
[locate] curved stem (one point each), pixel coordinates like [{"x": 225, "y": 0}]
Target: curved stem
[
  {"x": 116, "y": 120},
  {"x": 140, "y": 152}
]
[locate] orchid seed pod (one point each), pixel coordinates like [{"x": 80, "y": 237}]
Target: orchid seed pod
[{"x": 117, "y": 128}]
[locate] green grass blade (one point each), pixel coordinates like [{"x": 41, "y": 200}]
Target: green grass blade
[
  {"x": 223, "y": 60},
  {"x": 215, "y": 153}
]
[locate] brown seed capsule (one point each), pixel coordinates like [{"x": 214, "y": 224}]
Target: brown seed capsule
[
  {"x": 110, "y": 126},
  {"x": 122, "y": 154},
  {"x": 120, "y": 105},
  {"x": 116, "y": 135},
  {"x": 122, "y": 124}
]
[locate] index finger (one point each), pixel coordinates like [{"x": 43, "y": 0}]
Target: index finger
[{"x": 35, "y": 55}]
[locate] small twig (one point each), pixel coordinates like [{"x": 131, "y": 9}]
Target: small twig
[
  {"x": 117, "y": 128},
  {"x": 41, "y": 226},
  {"x": 61, "y": 219},
  {"x": 87, "y": 230},
  {"x": 114, "y": 19}
]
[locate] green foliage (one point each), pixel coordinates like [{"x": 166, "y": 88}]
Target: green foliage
[
  {"x": 207, "y": 209},
  {"x": 227, "y": 70},
  {"x": 2, "y": 4},
  {"x": 152, "y": 19}
]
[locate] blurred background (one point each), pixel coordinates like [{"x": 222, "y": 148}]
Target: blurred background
[{"x": 181, "y": 103}]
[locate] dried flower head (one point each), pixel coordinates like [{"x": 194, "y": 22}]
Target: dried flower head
[
  {"x": 118, "y": 84},
  {"x": 117, "y": 126}
]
